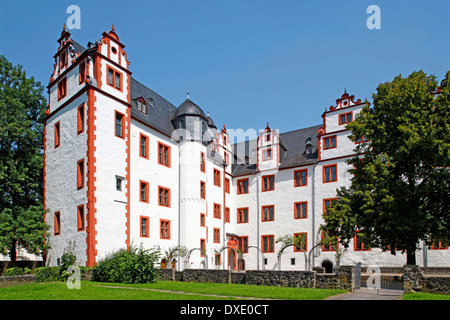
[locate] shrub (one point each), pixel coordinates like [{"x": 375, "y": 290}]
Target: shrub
[
  {"x": 133, "y": 265},
  {"x": 45, "y": 274},
  {"x": 15, "y": 271}
]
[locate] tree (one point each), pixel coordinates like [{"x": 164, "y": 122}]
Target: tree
[
  {"x": 400, "y": 190},
  {"x": 22, "y": 112}
]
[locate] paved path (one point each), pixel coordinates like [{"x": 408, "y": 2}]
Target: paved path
[{"x": 367, "y": 294}]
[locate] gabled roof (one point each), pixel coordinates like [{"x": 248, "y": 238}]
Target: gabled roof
[{"x": 293, "y": 151}]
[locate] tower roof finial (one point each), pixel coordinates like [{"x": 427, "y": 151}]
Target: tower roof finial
[
  {"x": 188, "y": 94},
  {"x": 112, "y": 28}
]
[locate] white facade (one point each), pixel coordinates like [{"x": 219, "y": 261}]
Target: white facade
[{"x": 141, "y": 183}]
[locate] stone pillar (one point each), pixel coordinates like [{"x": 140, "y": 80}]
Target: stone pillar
[
  {"x": 345, "y": 275},
  {"x": 412, "y": 279}
]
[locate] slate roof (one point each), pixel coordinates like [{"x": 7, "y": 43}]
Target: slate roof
[
  {"x": 188, "y": 108},
  {"x": 293, "y": 146}
]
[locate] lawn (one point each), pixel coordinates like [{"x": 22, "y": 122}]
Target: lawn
[
  {"x": 425, "y": 296},
  {"x": 191, "y": 291}
]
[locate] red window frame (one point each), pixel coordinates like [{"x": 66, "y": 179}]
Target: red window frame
[
  {"x": 243, "y": 244},
  {"x": 164, "y": 154},
  {"x": 268, "y": 243},
  {"x": 227, "y": 185},
  {"x": 300, "y": 183},
  {"x": 242, "y": 215},
  {"x": 164, "y": 229},
  {"x": 356, "y": 246},
  {"x": 265, "y": 181},
  {"x": 202, "y": 189},
  {"x": 119, "y": 116},
  {"x": 62, "y": 88},
  {"x": 299, "y": 215},
  {"x": 82, "y": 72},
  {"x": 302, "y": 249},
  {"x": 327, "y": 142},
  {"x": 328, "y": 246},
  {"x": 57, "y": 133},
  {"x": 216, "y": 177},
  {"x": 144, "y": 184},
  {"x": 227, "y": 215},
  {"x": 202, "y": 219},
  {"x": 114, "y": 73},
  {"x": 328, "y": 174},
  {"x": 147, "y": 227},
  {"x": 439, "y": 245},
  {"x": 241, "y": 186},
  {"x": 57, "y": 223},
  {"x": 217, "y": 210},
  {"x": 266, "y": 155},
  {"x": 80, "y": 119},
  {"x": 80, "y": 174},
  {"x": 343, "y": 117},
  {"x": 265, "y": 217},
  {"x": 216, "y": 235},
  {"x": 164, "y": 197},
  {"x": 80, "y": 217},
  {"x": 327, "y": 203},
  {"x": 202, "y": 247},
  {"x": 145, "y": 145},
  {"x": 202, "y": 162}
]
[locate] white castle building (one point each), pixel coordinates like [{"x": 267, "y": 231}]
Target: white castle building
[{"x": 123, "y": 166}]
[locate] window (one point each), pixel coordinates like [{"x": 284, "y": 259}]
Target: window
[
  {"x": 267, "y": 243},
  {"x": 80, "y": 174},
  {"x": 202, "y": 161},
  {"x": 141, "y": 105},
  {"x": 300, "y": 178},
  {"x": 163, "y": 154},
  {"x": 301, "y": 241},
  {"x": 439, "y": 245},
  {"x": 144, "y": 227},
  {"x": 227, "y": 215},
  {"x": 80, "y": 119},
  {"x": 217, "y": 210},
  {"x": 62, "y": 88},
  {"x": 345, "y": 118},
  {"x": 331, "y": 245},
  {"x": 268, "y": 213},
  {"x": 227, "y": 185},
  {"x": 216, "y": 177},
  {"x": 329, "y": 142},
  {"x": 164, "y": 197},
  {"x": 301, "y": 211},
  {"x": 328, "y": 203},
  {"x": 202, "y": 219},
  {"x": 217, "y": 259},
  {"x": 82, "y": 72},
  {"x": 57, "y": 134},
  {"x": 120, "y": 128},
  {"x": 202, "y": 247},
  {"x": 57, "y": 223},
  {"x": 114, "y": 78},
  {"x": 143, "y": 191},
  {"x": 242, "y": 215},
  {"x": 80, "y": 218},
  {"x": 63, "y": 59},
  {"x": 329, "y": 173},
  {"x": 358, "y": 244},
  {"x": 268, "y": 137},
  {"x": 268, "y": 183},
  {"x": 165, "y": 229},
  {"x": 242, "y": 186},
  {"x": 243, "y": 244},
  {"x": 143, "y": 147},
  {"x": 216, "y": 235},
  {"x": 267, "y": 154},
  {"x": 362, "y": 139},
  {"x": 119, "y": 181},
  {"x": 202, "y": 190}
]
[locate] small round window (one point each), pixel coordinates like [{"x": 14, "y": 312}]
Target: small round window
[{"x": 114, "y": 50}]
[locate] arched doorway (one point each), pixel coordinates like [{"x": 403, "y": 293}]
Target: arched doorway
[{"x": 328, "y": 266}]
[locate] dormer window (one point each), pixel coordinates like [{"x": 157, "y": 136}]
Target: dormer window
[
  {"x": 142, "y": 106},
  {"x": 151, "y": 101}
]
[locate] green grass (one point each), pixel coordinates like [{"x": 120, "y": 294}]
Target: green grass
[
  {"x": 199, "y": 291},
  {"x": 425, "y": 296}
]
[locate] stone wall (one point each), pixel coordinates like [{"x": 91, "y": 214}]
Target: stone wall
[
  {"x": 433, "y": 280},
  {"x": 342, "y": 279}
]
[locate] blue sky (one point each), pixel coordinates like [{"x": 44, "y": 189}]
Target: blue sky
[{"x": 245, "y": 62}]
